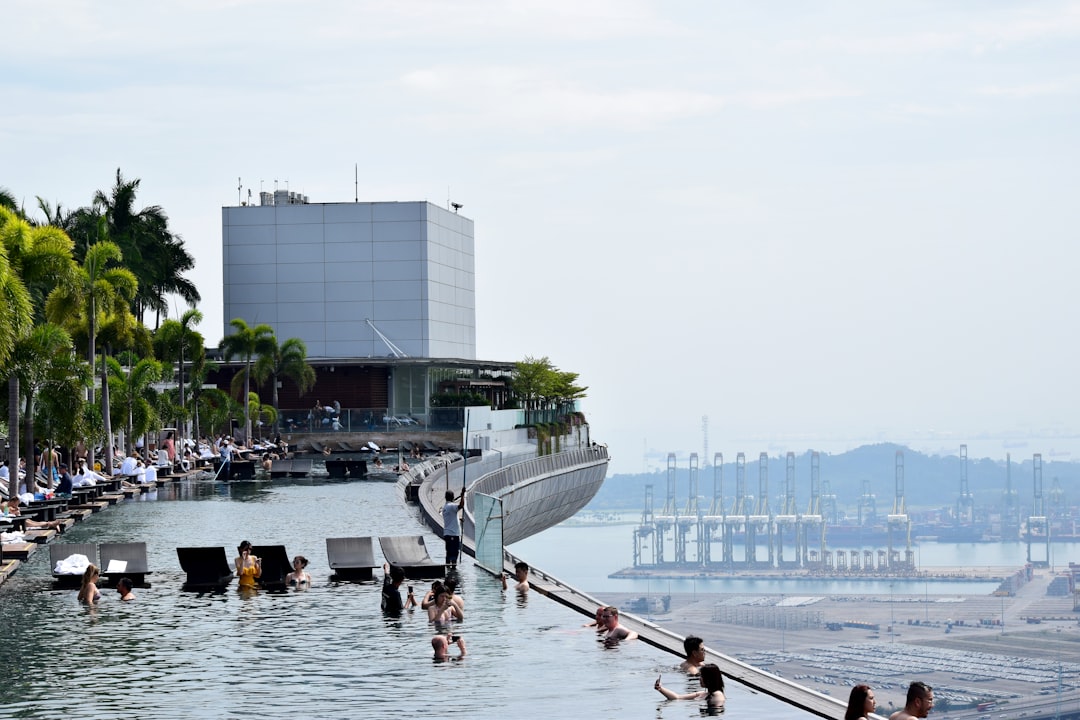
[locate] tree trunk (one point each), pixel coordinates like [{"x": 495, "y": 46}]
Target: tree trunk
[
  {"x": 247, "y": 410},
  {"x": 106, "y": 415},
  {"x": 181, "y": 426},
  {"x": 92, "y": 342},
  {"x": 28, "y": 439},
  {"x": 277, "y": 412},
  {"x": 13, "y": 435}
]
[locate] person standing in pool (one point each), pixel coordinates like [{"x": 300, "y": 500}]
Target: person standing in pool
[
  {"x": 452, "y": 526},
  {"x": 299, "y": 577},
  {"x": 248, "y": 566}
]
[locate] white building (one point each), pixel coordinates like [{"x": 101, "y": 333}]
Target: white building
[{"x": 318, "y": 271}]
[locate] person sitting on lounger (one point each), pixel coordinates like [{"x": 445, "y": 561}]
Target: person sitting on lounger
[
  {"x": 88, "y": 590},
  {"x": 13, "y": 510}
]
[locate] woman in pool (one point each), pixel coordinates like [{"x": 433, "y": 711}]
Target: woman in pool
[
  {"x": 88, "y": 591},
  {"x": 712, "y": 680},
  {"x": 248, "y": 566},
  {"x": 861, "y": 703},
  {"x": 299, "y": 577},
  {"x": 444, "y": 612}
]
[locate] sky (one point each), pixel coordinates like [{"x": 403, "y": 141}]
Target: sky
[{"x": 817, "y": 224}]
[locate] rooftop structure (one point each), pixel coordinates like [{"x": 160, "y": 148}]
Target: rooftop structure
[{"x": 353, "y": 280}]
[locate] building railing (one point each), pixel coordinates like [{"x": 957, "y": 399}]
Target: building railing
[
  {"x": 502, "y": 482},
  {"x": 332, "y": 418}
]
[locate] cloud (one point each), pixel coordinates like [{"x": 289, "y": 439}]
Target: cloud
[{"x": 525, "y": 98}]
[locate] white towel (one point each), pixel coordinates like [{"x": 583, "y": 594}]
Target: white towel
[{"x": 72, "y": 565}]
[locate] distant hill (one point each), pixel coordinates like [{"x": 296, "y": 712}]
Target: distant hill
[{"x": 929, "y": 481}]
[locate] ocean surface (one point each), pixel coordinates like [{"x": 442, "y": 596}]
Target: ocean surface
[{"x": 586, "y": 555}]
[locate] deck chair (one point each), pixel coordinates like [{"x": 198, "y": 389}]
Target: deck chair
[
  {"x": 280, "y": 468},
  {"x": 410, "y": 554},
  {"x": 62, "y": 551},
  {"x": 337, "y": 468},
  {"x": 351, "y": 558},
  {"x": 275, "y": 565},
  {"x": 300, "y": 468},
  {"x": 124, "y": 560},
  {"x": 207, "y": 568}
]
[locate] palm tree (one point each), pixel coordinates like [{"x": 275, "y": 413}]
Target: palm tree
[
  {"x": 246, "y": 342},
  {"x": 287, "y": 360},
  {"x": 98, "y": 294},
  {"x": 133, "y": 393},
  {"x": 156, "y": 255},
  {"x": 256, "y": 408},
  {"x": 31, "y": 261},
  {"x": 200, "y": 370},
  {"x": 45, "y": 363},
  {"x": 176, "y": 339}
]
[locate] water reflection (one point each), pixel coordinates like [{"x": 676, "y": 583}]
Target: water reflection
[{"x": 174, "y": 654}]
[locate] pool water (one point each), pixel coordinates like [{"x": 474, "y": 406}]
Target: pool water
[{"x": 325, "y": 652}]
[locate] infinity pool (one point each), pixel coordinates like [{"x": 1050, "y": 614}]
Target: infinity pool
[{"x": 322, "y": 653}]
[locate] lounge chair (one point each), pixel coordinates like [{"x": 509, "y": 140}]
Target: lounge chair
[
  {"x": 62, "y": 551},
  {"x": 280, "y": 468},
  {"x": 410, "y": 554},
  {"x": 337, "y": 468},
  {"x": 351, "y": 558},
  {"x": 275, "y": 565},
  {"x": 124, "y": 560},
  {"x": 300, "y": 468},
  {"x": 207, "y": 568}
]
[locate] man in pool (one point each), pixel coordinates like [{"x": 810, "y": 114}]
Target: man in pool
[
  {"x": 123, "y": 588},
  {"x": 614, "y": 632},
  {"x": 920, "y": 701},
  {"x": 441, "y": 645},
  {"x": 521, "y": 574},
  {"x": 452, "y": 527},
  {"x": 393, "y": 576},
  {"x": 694, "y": 647}
]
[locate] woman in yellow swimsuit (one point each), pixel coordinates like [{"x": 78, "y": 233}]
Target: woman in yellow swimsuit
[{"x": 248, "y": 567}]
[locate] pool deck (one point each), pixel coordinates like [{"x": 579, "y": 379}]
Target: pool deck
[
  {"x": 77, "y": 511},
  {"x": 431, "y": 500}
]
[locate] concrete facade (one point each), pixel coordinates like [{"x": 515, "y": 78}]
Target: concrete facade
[{"x": 317, "y": 271}]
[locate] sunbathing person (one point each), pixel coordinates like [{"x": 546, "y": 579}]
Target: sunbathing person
[
  {"x": 13, "y": 509},
  {"x": 88, "y": 591}
]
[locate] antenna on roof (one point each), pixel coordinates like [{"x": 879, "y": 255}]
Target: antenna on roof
[
  {"x": 457, "y": 206},
  {"x": 239, "y": 192},
  {"x": 356, "y": 181}
]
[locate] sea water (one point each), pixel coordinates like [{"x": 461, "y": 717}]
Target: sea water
[
  {"x": 601, "y": 550},
  {"x": 325, "y": 652}
]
